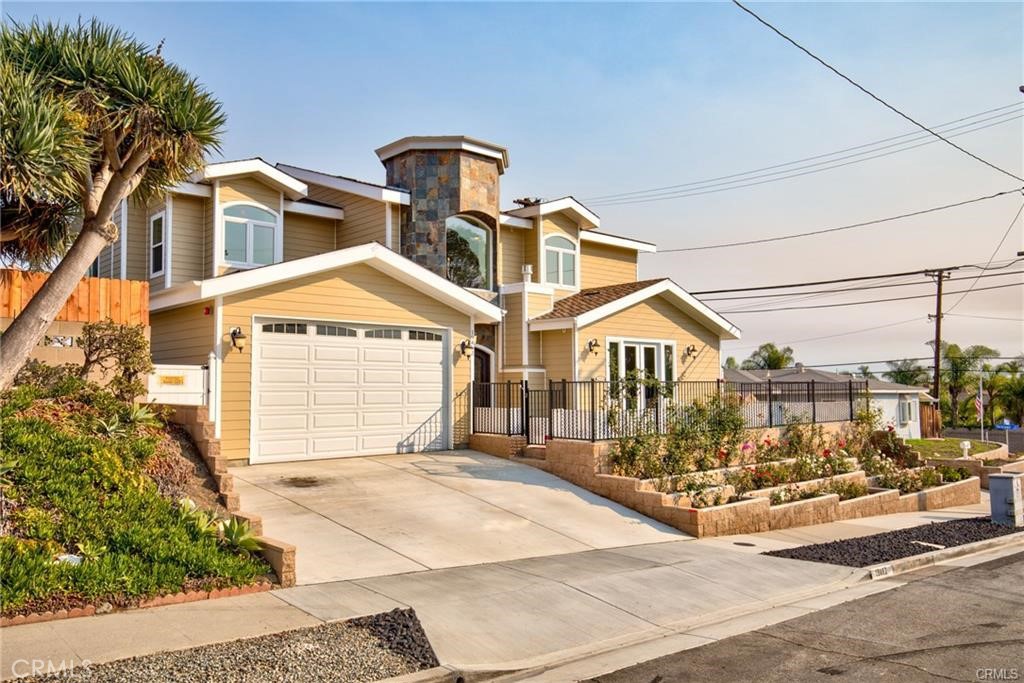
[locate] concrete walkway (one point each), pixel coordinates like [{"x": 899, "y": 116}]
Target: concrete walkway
[
  {"x": 509, "y": 615},
  {"x": 361, "y": 517}
]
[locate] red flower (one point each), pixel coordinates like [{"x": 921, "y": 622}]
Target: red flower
[
  {"x": 842, "y": 443},
  {"x": 826, "y": 453}
]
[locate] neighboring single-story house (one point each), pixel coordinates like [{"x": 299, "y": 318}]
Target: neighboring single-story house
[
  {"x": 342, "y": 317},
  {"x": 900, "y": 404}
]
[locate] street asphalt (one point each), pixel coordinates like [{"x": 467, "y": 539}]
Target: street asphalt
[
  {"x": 963, "y": 624},
  {"x": 1014, "y": 438}
]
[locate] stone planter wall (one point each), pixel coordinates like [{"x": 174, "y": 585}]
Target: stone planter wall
[
  {"x": 498, "y": 445},
  {"x": 978, "y": 468},
  {"x": 966, "y": 492},
  {"x": 820, "y": 510},
  {"x": 877, "y": 502}
]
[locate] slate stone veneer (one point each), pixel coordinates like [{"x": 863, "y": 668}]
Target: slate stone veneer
[{"x": 441, "y": 183}]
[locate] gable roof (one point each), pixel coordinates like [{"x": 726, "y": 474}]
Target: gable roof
[
  {"x": 590, "y": 305},
  {"x": 381, "y": 193},
  {"x": 581, "y": 214},
  {"x": 805, "y": 374},
  {"x": 292, "y": 187},
  {"x": 372, "y": 254}
]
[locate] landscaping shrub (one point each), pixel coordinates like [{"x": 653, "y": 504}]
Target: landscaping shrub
[
  {"x": 909, "y": 481},
  {"x": 79, "y": 487},
  {"x": 951, "y": 474},
  {"x": 846, "y": 490},
  {"x": 107, "y": 346}
]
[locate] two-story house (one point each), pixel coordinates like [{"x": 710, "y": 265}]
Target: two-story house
[{"x": 342, "y": 317}]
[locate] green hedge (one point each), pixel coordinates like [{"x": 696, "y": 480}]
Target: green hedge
[{"x": 76, "y": 488}]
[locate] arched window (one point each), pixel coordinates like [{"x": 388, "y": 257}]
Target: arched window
[
  {"x": 250, "y": 235},
  {"x": 468, "y": 252},
  {"x": 559, "y": 261}
]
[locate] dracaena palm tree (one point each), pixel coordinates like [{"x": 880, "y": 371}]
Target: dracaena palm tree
[
  {"x": 90, "y": 116},
  {"x": 769, "y": 357},
  {"x": 907, "y": 372}
]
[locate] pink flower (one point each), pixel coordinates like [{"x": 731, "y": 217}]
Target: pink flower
[{"x": 747, "y": 446}]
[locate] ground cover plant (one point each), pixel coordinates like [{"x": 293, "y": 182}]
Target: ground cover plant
[
  {"x": 948, "y": 448},
  {"x": 90, "y": 504}
]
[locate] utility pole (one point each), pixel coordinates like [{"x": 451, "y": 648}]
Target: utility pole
[{"x": 939, "y": 275}]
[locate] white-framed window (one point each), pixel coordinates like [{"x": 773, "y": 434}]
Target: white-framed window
[
  {"x": 250, "y": 235},
  {"x": 157, "y": 253},
  {"x": 559, "y": 261},
  {"x": 906, "y": 410},
  {"x": 468, "y": 252}
]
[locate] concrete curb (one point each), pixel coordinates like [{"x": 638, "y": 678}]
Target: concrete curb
[
  {"x": 438, "y": 674},
  {"x": 906, "y": 564}
]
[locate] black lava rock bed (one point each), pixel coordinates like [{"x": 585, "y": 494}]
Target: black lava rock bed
[
  {"x": 364, "y": 649},
  {"x": 893, "y": 545}
]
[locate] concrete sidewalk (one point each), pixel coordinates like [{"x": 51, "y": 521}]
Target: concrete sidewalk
[{"x": 505, "y": 615}]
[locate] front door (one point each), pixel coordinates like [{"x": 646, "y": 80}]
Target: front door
[{"x": 640, "y": 362}]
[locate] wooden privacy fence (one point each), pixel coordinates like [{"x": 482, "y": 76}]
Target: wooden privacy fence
[{"x": 126, "y": 302}]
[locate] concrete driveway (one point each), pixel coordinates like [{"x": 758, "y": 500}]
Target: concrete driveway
[{"x": 363, "y": 517}]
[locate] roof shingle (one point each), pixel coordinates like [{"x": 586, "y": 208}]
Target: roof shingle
[{"x": 588, "y": 299}]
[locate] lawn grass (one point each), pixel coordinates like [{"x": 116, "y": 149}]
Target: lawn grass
[{"x": 948, "y": 448}]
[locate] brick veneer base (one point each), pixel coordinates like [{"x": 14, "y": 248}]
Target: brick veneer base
[
  {"x": 498, "y": 445},
  {"x": 159, "y": 601},
  {"x": 584, "y": 463}
]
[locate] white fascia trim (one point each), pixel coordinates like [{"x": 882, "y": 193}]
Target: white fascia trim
[
  {"x": 529, "y": 287},
  {"x": 674, "y": 292},
  {"x": 437, "y": 142},
  {"x": 584, "y": 216},
  {"x": 291, "y": 186},
  {"x": 387, "y": 225},
  {"x": 218, "y": 233},
  {"x": 514, "y": 221},
  {"x": 314, "y": 210},
  {"x": 374, "y": 255},
  {"x": 192, "y": 189},
  {"x": 613, "y": 241},
  {"x": 552, "y": 324},
  {"x": 168, "y": 233},
  {"x": 381, "y": 194}
]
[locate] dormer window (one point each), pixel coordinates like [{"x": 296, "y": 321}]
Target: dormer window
[
  {"x": 560, "y": 261},
  {"x": 250, "y": 235},
  {"x": 468, "y": 252}
]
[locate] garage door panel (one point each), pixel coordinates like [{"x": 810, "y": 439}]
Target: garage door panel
[
  {"x": 324, "y": 399},
  {"x": 382, "y": 355},
  {"x": 378, "y": 376},
  {"x": 321, "y": 396},
  {"x": 288, "y": 422},
  {"x": 335, "y": 354},
  {"x": 328, "y": 376},
  {"x": 334, "y": 421}
]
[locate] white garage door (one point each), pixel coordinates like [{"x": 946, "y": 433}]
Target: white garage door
[{"x": 330, "y": 390}]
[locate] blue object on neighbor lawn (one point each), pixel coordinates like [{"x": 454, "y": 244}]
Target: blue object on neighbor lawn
[{"x": 1005, "y": 425}]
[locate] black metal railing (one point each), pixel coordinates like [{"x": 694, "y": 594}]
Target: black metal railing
[{"x": 600, "y": 409}]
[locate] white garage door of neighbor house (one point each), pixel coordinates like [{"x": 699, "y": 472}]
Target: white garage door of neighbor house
[{"x": 330, "y": 390}]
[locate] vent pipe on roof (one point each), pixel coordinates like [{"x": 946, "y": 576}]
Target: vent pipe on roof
[{"x": 800, "y": 367}]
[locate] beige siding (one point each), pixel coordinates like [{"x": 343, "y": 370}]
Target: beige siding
[
  {"x": 307, "y": 236},
  {"x": 558, "y": 357},
  {"x": 557, "y": 224},
  {"x": 511, "y": 254},
  {"x": 602, "y": 265},
  {"x": 512, "y": 329},
  {"x": 138, "y": 240},
  {"x": 530, "y": 254},
  {"x": 654, "y": 319},
  {"x": 359, "y": 294},
  {"x": 182, "y": 335},
  {"x": 364, "y": 218},
  {"x": 188, "y": 232},
  {"x": 249, "y": 190}
]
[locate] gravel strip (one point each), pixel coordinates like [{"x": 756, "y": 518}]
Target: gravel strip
[
  {"x": 364, "y": 649},
  {"x": 893, "y": 545}
]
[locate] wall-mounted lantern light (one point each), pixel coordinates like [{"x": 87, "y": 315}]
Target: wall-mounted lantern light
[
  {"x": 689, "y": 352},
  {"x": 593, "y": 346},
  {"x": 238, "y": 338},
  {"x": 466, "y": 346}
]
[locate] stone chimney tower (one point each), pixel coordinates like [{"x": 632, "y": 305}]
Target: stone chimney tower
[{"x": 445, "y": 175}]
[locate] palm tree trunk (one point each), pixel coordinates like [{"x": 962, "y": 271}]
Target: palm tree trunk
[{"x": 28, "y": 328}]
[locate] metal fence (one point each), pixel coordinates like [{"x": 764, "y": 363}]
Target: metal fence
[{"x": 601, "y": 409}]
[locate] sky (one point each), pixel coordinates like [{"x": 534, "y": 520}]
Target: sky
[{"x": 600, "y": 99}]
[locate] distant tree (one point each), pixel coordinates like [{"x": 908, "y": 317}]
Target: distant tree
[
  {"x": 959, "y": 367},
  {"x": 906, "y": 371},
  {"x": 769, "y": 357},
  {"x": 865, "y": 372},
  {"x": 1001, "y": 382},
  {"x": 463, "y": 264},
  {"x": 731, "y": 364}
]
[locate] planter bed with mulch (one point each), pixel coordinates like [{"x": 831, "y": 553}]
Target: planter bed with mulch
[
  {"x": 363, "y": 649},
  {"x": 893, "y": 545}
]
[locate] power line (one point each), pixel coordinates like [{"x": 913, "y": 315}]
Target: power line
[
  {"x": 871, "y": 94},
  {"x": 858, "y": 289},
  {"x": 984, "y": 317},
  {"x": 879, "y": 362},
  {"x": 915, "y": 134},
  {"x": 841, "y": 334},
  {"x": 819, "y": 167},
  {"x": 990, "y": 258},
  {"x": 873, "y": 301},
  {"x": 840, "y": 228},
  {"x": 922, "y": 271}
]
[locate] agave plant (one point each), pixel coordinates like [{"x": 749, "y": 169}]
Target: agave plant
[
  {"x": 235, "y": 533},
  {"x": 202, "y": 521},
  {"x": 112, "y": 427},
  {"x": 143, "y": 416}
]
